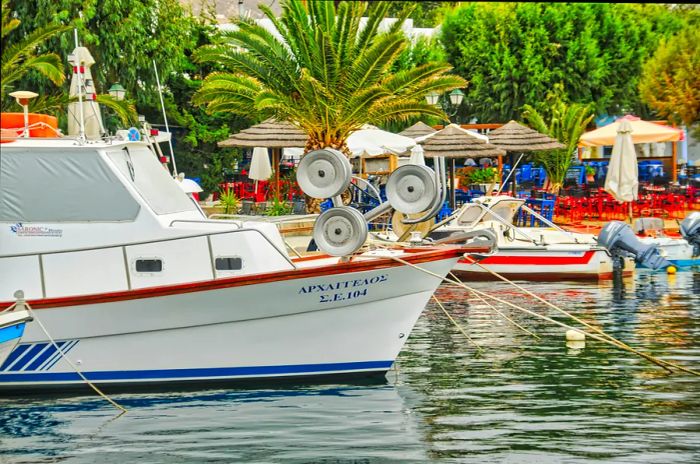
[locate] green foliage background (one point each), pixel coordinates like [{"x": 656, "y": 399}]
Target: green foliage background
[
  {"x": 125, "y": 36},
  {"x": 513, "y": 53}
]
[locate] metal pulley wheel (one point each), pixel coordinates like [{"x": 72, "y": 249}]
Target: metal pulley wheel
[
  {"x": 411, "y": 188},
  {"x": 340, "y": 231},
  {"x": 324, "y": 173}
]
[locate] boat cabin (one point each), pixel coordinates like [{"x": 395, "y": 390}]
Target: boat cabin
[{"x": 99, "y": 216}]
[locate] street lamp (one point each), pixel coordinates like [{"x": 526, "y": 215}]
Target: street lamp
[
  {"x": 449, "y": 107},
  {"x": 117, "y": 92},
  {"x": 456, "y": 97}
]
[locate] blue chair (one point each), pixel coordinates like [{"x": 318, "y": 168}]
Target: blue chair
[{"x": 444, "y": 212}]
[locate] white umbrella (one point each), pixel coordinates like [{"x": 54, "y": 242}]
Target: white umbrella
[
  {"x": 82, "y": 60},
  {"x": 260, "y": 168},
  {"x": 375, "y": 142},
  {"x": 417, "y": 156},
  {"x": 189, "y": 186},
  {"x": 622, "y": 179}
]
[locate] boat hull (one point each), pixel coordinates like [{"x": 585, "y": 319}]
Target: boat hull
[
  {"x": 12, "y": 325},
  {"x": 542, "y": 265},
  {"x": 308, "y": 323}
]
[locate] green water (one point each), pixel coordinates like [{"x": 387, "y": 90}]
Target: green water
[{"x": 519, "y": 400}]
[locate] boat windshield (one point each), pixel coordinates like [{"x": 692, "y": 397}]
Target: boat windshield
[
  {"x": 50, "y": 185},
  {"x": 143, "y": 171},
  {"x": 475, "y": 213}
]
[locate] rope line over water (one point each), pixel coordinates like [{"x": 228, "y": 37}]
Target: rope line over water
[
  {"x": 605, "y": 338},
  {"x": 471, "y": 340},
  {"x": 22, "y": 303}
]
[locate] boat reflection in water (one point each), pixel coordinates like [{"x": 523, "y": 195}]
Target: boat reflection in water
[{"x": 519, "y": 400}]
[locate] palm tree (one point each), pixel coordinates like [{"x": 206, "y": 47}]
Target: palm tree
[
  {"x": 567, "y": 122},
  {"x": 324, "y": 68},
  {"x": 20, "y": 57}
]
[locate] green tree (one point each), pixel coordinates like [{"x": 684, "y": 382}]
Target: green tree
[
  {"x": 424, "y": 13},
  {"x": 19, "y": 55},
  {"x": 566, "y": 122},
  {"x": 513, "y": 53},
  {"x": 197, "y": 152},
  {"x": 670, "y": 81},
  {"x": 124, "y": 36},
  {"x": 327, "y": 74}
]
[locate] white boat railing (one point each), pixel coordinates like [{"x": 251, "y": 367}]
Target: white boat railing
[{"x": 123, "y": 248}]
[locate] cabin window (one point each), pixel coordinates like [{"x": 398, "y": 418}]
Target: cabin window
[
  {"x": 149, "y": 265},
  {"x": 68, "y": 184},
  {"x": 144, "y": 172},
  {"x": 229, "y": 263}
]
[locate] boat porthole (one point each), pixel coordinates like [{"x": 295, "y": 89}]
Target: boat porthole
[
  {"x": 149, "y": 265},
  {"x": 228, "y": 263}
]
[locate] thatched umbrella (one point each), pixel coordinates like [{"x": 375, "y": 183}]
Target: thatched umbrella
[
  {"x": 517, "y": 138},
  {"x": 269, "y": 134},
  {"x": 454, "y": 142},
  {"x": 419, "y": 129}
]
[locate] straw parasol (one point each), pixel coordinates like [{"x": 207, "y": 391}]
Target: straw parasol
[
  {"x": 454, "y": 142},
  {"x": 517, "y": 138},
  {"x": 417, "y": 130},
  {"x": 269, "y": 134}
]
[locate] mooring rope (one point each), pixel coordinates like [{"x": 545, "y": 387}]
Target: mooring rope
[
  {"x": 579, "y": 320},
  {"x": 503, "y": 315},
  {"x": 63, "y": 355},
  {"x": 605, "y": 338},
  {"x": 471, "y": 340}
]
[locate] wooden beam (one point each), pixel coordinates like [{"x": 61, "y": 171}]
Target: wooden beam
[
  {"x": 674, "y": 161},
  {"x": 276, "y": 161}
]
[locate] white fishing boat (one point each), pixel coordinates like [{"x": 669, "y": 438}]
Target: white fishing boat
[
  {"x": 680, "y": 251},
  {"x": 138, "y": 288},
  {"x": 528, "y": 253},
  {"x": 12, "y": 324}
]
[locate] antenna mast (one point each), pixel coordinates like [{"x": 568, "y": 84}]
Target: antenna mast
[
  {"x": 81, "y": 135},
  {"x": 165, "y": 118}
]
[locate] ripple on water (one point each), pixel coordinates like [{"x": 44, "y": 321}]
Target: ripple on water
[{"x": 519, "y": 400}]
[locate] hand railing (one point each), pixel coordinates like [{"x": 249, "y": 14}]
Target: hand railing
[{"x": 123, "y": 247}]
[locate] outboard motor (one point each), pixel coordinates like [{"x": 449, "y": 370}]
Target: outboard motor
[
  {"x": 690, "y": 230},
  {"x": 619, "y": 239}
]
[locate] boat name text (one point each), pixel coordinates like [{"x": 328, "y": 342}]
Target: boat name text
[{"x": 349, "y": 289}]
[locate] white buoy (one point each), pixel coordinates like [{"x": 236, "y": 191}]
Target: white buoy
[
  {"x": 575, "y": 346},
  {"x": 575, "y": 336}
]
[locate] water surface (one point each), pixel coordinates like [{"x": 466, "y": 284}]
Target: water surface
[{"x": 517, "y": 399}]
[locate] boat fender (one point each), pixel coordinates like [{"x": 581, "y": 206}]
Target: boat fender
[{"x": 575, "y": 336}]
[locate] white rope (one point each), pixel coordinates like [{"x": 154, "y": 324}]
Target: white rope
[
  {"x": 479, "y": 348},
  {"x": 63, "y": 355},
  {"x": 480, "y": 298},
  {"x": 605, "y": 338}
]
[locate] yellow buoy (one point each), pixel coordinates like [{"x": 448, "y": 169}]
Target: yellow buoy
[
  {"x": 671, "y": 270},
  {"x": 575, "y": 336}
]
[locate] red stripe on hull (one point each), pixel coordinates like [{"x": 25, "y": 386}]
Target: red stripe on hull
[
  {"x": 535, "y": 276},
  {"x": 418, "y": 256},
  {"x": 535, "y": 260}
]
